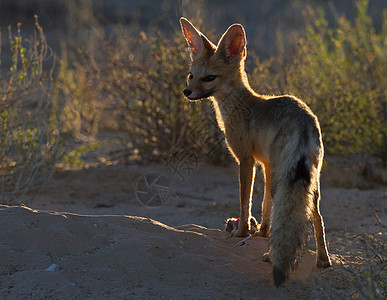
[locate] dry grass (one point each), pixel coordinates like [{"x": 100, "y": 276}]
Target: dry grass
[{"x": 29, "y": 142}]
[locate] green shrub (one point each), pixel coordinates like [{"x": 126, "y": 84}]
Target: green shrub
[
  {"x": 29, "y": 129},
  {"x": 341, "y": 73}
]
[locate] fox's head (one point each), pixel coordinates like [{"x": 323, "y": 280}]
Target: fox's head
[{"x": 214, "y": 69}]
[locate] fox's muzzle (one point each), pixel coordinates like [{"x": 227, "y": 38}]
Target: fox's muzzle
[{"x": 195, "y": 96}]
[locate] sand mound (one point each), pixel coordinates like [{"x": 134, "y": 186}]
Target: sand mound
[{"x": 62, "y": 255}]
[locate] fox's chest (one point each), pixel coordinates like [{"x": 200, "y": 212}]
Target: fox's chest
[
  {"x": 238, "y": 139},
  {"x": 218, "y": 114},
  {"x": 234, "y": 124}
]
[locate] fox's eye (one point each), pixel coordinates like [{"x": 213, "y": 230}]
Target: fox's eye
[
  {"x": 190, "y": 76},
  {"x": 209, "y": 78}
]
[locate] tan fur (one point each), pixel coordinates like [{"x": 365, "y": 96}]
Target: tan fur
[{"x": 280, "y": 133}]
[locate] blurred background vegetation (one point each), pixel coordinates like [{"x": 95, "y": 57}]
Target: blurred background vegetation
[{"x": 113, "y": 77}]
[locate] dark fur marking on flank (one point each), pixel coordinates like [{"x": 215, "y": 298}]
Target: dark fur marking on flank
[{"x": 302, "y": 171}]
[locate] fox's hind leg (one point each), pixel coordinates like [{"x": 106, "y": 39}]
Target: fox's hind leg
[{"x": 322, "y": 259}]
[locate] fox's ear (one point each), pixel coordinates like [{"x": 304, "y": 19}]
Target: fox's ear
[
  {"x": 198, "y": 43},
  {"x": 232, "y": 45}
]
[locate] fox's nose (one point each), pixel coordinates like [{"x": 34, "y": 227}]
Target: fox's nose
[{"x": 187, "y": 92}]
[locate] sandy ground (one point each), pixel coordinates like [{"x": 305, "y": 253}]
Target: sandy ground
[{"x": 88, "y": 234}]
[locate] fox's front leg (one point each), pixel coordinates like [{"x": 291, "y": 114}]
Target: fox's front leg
[
  {"x": 267, "y": 204},
  {"x": 246, "y": 181}
]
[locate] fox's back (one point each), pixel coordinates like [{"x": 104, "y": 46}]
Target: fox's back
[
  {"x": 276, "y": 124},
  {"x": 287, "y": 106},
  {"x": 288, "y": 113}
]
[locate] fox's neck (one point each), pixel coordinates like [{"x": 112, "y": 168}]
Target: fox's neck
[
  {"x": 234, "y": 93},
  {"x": 231, "y": 100},
  {"x": 238, "y": 85}
]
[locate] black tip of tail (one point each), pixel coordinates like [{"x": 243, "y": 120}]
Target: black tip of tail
[{"x": 278, "y": 276}]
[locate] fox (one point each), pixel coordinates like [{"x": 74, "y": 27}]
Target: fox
[{"x": 280, "y": 133}]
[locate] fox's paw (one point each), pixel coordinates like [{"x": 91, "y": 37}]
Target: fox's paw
[
  {"x": 240, "y": 232},
  {"x": 254, "y": 226},
  {"x": 323, "y": 263},
  {"x": 234, "y": 226},
  {"x": 266, "y": 257},
  {"x": 322, "y": 259},
  {"x": 263, "y": 231}
]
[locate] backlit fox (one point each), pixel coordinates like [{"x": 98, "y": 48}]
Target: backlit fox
[{"x": 280, "y": 133}]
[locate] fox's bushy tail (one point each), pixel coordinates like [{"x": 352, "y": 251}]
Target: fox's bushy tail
[{"x": 292, "y": 212}]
